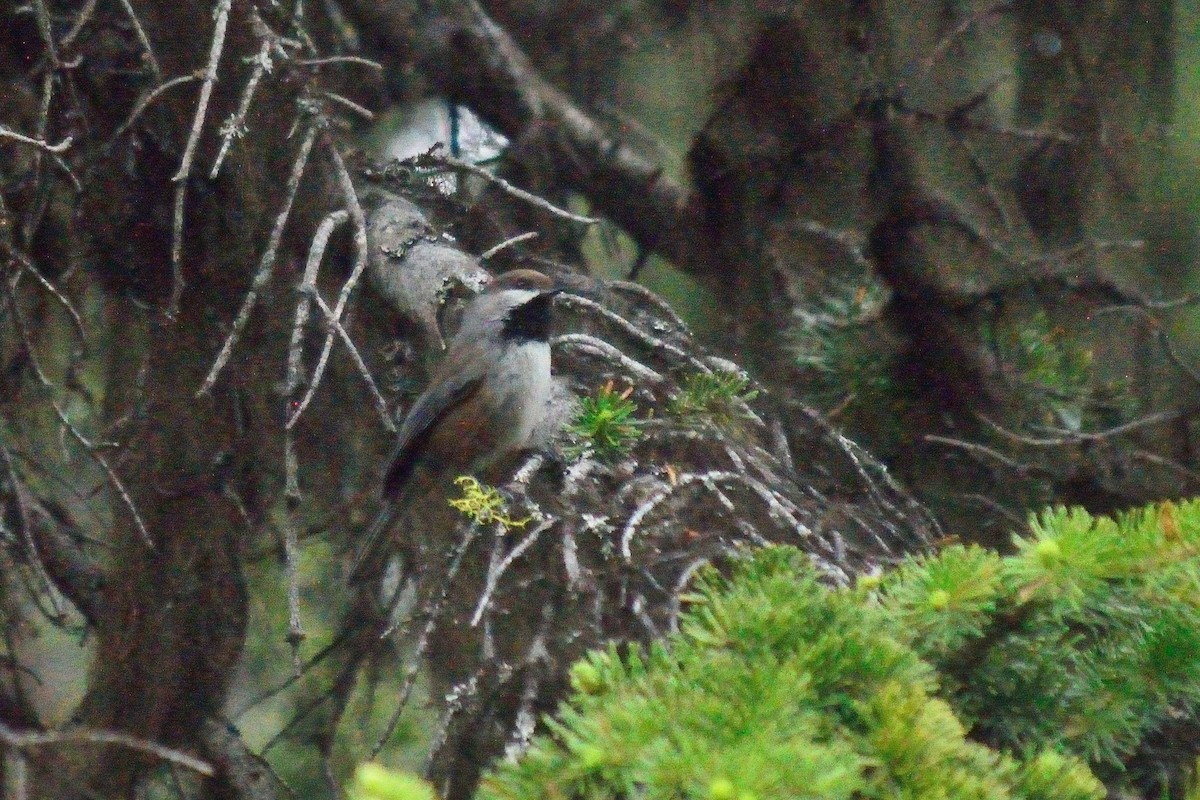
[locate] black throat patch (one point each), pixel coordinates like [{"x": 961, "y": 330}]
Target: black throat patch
[{"x": 530, "y": 321}]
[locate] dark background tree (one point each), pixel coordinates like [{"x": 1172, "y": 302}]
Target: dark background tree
[{"x": 962, "y": 232}]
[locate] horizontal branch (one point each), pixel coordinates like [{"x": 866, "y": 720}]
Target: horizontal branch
[{"x": 476, "y": 63}]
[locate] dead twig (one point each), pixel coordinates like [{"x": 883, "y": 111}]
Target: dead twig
[
  {"x": 432, "y": 613},
  {"x": 114, "y": 480},
  {"x": 143, "y": 39},
  {"x": 433, "y": 158},
  {"x": 316, "y": 252},
  {"x": 1077, "y": 437},
  {"x": 145, "y": 102},
  {"x": 332, "y": 321},
  {"x": 359, "y": 218},
  {"x": 221, "y": 17},
  {"x": 291, "y": 492},
  {"x": 189, "y": 151},
  {"x": 267, "y": 264},
  {"x": 235, "y": 126},
  {"x": 61, "y": 147},
  {"x": 521, "y": 237},
  {"x": 25, "y": 740},
  {"x": 320, "y": 62}
]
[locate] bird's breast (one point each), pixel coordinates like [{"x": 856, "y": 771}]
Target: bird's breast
[
  {"x": 499, "y": 417},
  {"x": 520, "y": 387}
]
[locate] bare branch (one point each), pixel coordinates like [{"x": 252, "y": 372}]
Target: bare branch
[
  {"x": 316, "y": 252},
  {"x": 976, "y": 447},
  {"x": 92, "y": 450},
  {"x": 494, "y": 575},
  {"x": 520, "y": 237},
  {"x": 235, "y": 126},
  {"x": 47, "y": 32},
  {"x": 437, "y": 159},
  {"x": 332, "y": 321},
  {"x": 346, "y": 102},
  {"x": 1076, "y": 437},
  {"x": 602, "y": 349},
  {"x": 189, "y": 151},
  {"x": 267, "y": 264},
  {"x": 143, "y": 39},
  {"x": 295, "y": 634},
  {"x": 24, "y": 514},
  {"x": 653, "y": 343},
  {"x": 61, "y": 147},
  {"x": 433, "y": 613},
  {"x": 144, "y": 103},
  {"x": 320, "y": 62},
  {"x": 359, "y": 218},
  {"x": 27, "y": 265},
  {"x": 221, "y": 16},
  {"x": 25, "y": 740},
  {"x": 81, "y": 19}
]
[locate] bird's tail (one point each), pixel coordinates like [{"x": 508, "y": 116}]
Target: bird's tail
[{"x": 372, "y": 552}]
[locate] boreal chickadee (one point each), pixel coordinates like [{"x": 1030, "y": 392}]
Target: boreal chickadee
[{"x": 484, "y": 400}]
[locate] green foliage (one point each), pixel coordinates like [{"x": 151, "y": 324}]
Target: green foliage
[
  {"x": 1057, "y": 660},
  {"x": 839, "y": 344},
  {"x": 605, "y": 424},
  {"x": 375, "y": 782},
  {"x": 717, "y": 395},
  {"x": 1085, "y": 639},
  {"x": 484, "y": 504},
  {"x": 1060, "y": 371}
]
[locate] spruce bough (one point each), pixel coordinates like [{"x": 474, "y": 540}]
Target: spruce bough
[{"x": 959, "y": 674}]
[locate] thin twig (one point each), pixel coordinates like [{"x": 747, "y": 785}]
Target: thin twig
[
  {"x": 23, "y": 740},
  {"x": 359, "y": 219},
  {"x": 210, "y": 79},
  {"x": 943, "y": 46},
  {"x": 143, "y": 39},
  {"x": 235, "y": 126},
  {"x": 81, "y": 19},
  {"x": 609, "y": 353},
  {"x": 267, "y": 263},
  {"x": 332, "y": 321},
  {"x": 521, "y": 237},
  {"x": 319, "y": 62},
  {"x": 113, "y": 478},
  {"x": 189, "y": 152},
  {"x": 655, "y": 344},
  {"x": 1076, "y": 437},
  {"x": 21, "y": 495},
  {"x": 494, "y": 575},
  {"x": 435, "y": 158},
  {"x": 642, "y": 293},
  {"x": 316, "y": 252},
  {"x": 26, "y": 338},
  {"x": 144, "y": 103},
  {"x": 76, "y": 320},
  {"x": 432, "y": 615},
  {"x": 38, "y": 207},
  {"x": 47, "y": 32},
  {"x": 976, "y": 447},
  {"x": 61, "y": 147},
  {"x": 292, "y": 497},
  {"x": 346, "y": 102},
  {"x": 340, "y": 640}
]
